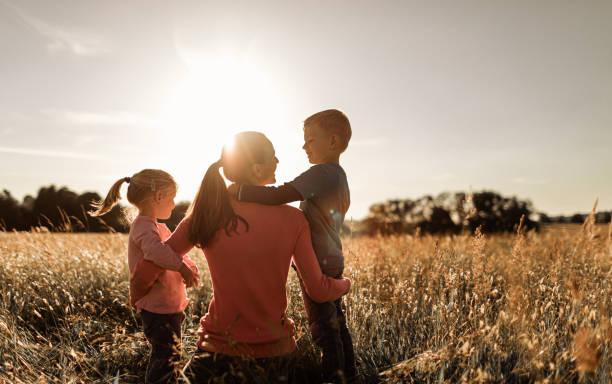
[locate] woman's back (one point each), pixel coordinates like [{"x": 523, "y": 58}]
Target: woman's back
[
  {"x": 249, "y": 274},
  {"x": 250, "y": 270}
]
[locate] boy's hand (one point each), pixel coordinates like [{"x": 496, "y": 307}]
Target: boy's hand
[
  {"x": 233, "y": 189},
  {"x": 191, "y": 278},
  {"x": 348, "y": 288}
]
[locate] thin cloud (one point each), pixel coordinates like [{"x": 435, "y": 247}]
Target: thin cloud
[
  {"x": 443, "y": 177},
  {"x": 114, "y": 118},
  {"x": 7, "y": 131},
  {"x": 82, "y": 140},
  {"x": 77, "y": 42},
  {"x": 523, "y": 180},
  {"x": 45, "y": 153},
  {"x": 368, "y": 143}
]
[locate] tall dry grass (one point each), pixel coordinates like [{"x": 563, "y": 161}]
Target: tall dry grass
[{"x": 505, "y": 308}]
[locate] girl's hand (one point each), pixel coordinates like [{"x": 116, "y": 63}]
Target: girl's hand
[{"x": 191, "y": 278}]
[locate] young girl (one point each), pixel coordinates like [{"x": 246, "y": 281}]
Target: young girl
[{"x": 161, "y": 302}]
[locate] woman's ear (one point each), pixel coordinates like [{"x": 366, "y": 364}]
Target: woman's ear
[{"x": 257, "y": 171}]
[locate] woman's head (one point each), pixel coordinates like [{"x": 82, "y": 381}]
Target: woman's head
[
  {"x": 248, "y": 159},
  {"x": 147, "y": 188}
]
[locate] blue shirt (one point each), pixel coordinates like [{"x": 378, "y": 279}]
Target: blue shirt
[{"x": 326, "y": 198}]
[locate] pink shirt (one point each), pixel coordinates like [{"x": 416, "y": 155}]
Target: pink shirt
[
  {"x": 247, "y": 314},
  {"x": 165, "y": 292}
]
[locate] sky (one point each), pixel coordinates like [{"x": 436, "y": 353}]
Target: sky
[{"x": 511, "y": 96}]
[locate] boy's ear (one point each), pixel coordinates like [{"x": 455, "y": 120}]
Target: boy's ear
[{"x": 334, "y": 141}]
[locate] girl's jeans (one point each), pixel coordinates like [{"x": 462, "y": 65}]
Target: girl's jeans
[{"x": 164, "y": 334}]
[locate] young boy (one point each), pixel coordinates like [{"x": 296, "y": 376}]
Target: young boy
[{"x": 324, "y": 194}]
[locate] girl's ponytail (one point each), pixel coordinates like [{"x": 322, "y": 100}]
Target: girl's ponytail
[
  {"x": 112, "y": 197},
  {"x": 211, "y": 209}
]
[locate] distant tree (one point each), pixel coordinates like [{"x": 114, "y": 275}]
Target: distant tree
[
  {"x": 560, "y": 219},
  {"x": 85, "y": 202},
  {"x": 544, "y": 218},
  {"x": 438, "y": 220},
  {"x": 113, "y": 221},
  {"x": 577, "y": 218},
  {"x": 52, "y": 207},
  {"x": 58, "y": 210},
  {"x": 603, "y": 217},
  {"x": 177, "y": 215},
  {"x": 449, "y": 213},
  {"x": 389, "y": 218},
  {"x": 495, "y": 213},
  {"x": 10, "y": 212}
]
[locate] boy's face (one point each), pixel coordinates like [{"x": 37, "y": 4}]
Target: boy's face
[{"x": 318, "y": 145}]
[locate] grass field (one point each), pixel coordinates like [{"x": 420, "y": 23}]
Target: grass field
[{"x": 504, "y": 308}]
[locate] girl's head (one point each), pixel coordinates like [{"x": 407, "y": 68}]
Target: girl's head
[
  {"x": 248, "y": 159},
  {"x": 152, "y": 191}
]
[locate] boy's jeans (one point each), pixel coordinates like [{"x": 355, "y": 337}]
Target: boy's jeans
[
  {"x": 164, "y": 334},
  {"x": 329, "y": 331}
]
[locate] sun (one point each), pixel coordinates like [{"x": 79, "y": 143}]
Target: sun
[{"x": 219, "y": 97}]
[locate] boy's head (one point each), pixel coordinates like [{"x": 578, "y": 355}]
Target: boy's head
[{"x": 326, "y": 136}]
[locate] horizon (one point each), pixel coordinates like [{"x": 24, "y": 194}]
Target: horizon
[
  {"x": 123, "y": 202},
  {"x": 511, "y": 97}
]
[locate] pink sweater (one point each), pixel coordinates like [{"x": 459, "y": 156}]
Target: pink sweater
[
  {"x": 164, "y": 292},
  {"x": 246, "y": 315}
]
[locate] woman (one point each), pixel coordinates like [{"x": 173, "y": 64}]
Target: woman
[{"x": 249, "y": 249}]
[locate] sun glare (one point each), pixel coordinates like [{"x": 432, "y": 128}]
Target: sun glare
[{"x": 220, "y": 97}]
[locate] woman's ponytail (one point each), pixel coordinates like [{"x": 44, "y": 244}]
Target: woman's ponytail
[
  {"x": 211, "y": 209},
  {"x": 112, "y": 197}
]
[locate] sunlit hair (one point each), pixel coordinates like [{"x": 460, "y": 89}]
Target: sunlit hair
[
  {"x": 332, "y": 121},
  {"x": 211, "y": 209},
  {"x": 142, "y": 186}
]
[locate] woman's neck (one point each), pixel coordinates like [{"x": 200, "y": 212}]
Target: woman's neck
[{"x": 251, "y": 181}]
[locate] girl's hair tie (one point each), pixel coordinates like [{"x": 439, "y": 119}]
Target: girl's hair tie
[
  {"x": 127, "y": 179},
  {"x": 152, "y": 185}
]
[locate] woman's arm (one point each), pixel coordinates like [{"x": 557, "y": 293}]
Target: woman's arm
[
  {"x": 319, "y": 287},
  {"x": 179, "y": 240},
  {"x": 149, "y": 241}
]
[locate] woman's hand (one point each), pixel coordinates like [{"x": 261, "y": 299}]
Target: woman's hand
[
  {"x": 348, "y": 286},
  {"x": 190, "y": 276}
]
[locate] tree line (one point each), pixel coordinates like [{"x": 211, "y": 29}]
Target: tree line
[
  {"x": 62, "y": 210},
  {"x": 454, "y": 212}
]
